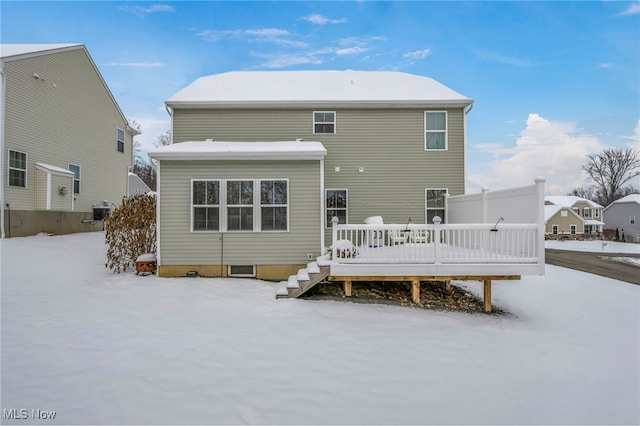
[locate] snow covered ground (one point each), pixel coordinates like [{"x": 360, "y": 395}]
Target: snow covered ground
[
  {"x": 99, "y": 348},
  {"x": 604, "y": 247}
]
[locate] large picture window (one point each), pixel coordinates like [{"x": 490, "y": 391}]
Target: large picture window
[
  {"x": 324, "y": 122},
  {"x": 435, "y": 130},
  {"x": 273, "y": 205},
  {"x": 336, "y": 205},
  {"x": 205, "y": 205},
  {"x": 434, "y": 204},
  {"x": 17, "y": 168}
]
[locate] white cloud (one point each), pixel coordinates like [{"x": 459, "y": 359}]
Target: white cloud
[
  {"x": 605, "y": 65},
  {"x": 141, "y": 11},
  {"x": 151, "y": 128},
  {"x": 418, "y": 54},
  {"x": 635, "y": 138},
  {"x": 322, "y": 20},
  {"x": 275, "y": 61},
  {"x": 503, "y": 59},
  {"x": 136, "y": 64},
  {"x": 551, "y": 149},
  {"x": 633, "y": 9},
  {"x": 351, "y": 50},
  {"x": 268, "y": 35}
]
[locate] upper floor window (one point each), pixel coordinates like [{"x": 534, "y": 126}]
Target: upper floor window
[
  {"x": 120, "y": 140},
  {"x": 17, "y": 168},
  {"x": 586, "y": 212},
  {"x": 597, "y": 212},
  {"x": 632, "y": 220},
  {"x": 324, "y": 122},
  {"x": 76, "y": 177},
  {"x": 435, "y": 127},
  {"x": 336, "y": 205},
  {"x": 434, "y": 204},
  {"x": 576, "y": 210}
]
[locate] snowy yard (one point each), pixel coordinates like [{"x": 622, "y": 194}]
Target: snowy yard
[{"x": 99, "y": 348}]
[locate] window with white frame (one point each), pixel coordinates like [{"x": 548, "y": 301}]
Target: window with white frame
[
  {"x": 76, "y": 177},
  {"x": 576, "y": 210},
  {"x": 273, "y": 205},
  {"x": 205, "y": 201},
  {"x": 632, "y": 220},
  {"x": 554, "y": 229},
  {"x": 564, "y": 213},
  {"x": 120, "y": 140},
  {"x": 324, "y": 122},
  {"x": 17, "y": 168},
  {"x": 336, "y": 205},
  {"x": 435, "y": 127},
  {"x": 597, "y": 212},
  {"x": 573, "y": 229},
  {"x": 239, "y": 205},
  {"x": 586, "y": 212},
  {"x": 434, "y": 204}
]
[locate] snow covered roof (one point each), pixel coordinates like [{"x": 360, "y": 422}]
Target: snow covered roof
[
  {"x": 569, "y": 200},
  {"x": 219, "y": 150},
  {"x": 631, "y": 198},
  {"x": 137, "y": 185},
  {"x": 47, "y": 168},
  {"x": 345, "y": 88},
  {"x": 8, "y": 51},
  {"x": 552, "y": 210}
]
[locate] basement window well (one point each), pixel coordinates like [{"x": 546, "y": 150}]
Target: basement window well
[{"x": 246, "y": 271}]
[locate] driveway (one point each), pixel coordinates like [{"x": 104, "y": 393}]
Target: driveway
[{"x": 596, "y": 263}]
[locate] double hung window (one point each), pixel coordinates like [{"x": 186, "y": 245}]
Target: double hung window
[
  {"x": 435, "y": 127},
  {"x": 206, "y": 205},
  {"x": 120, "y": 140},
  {"x": 76, "y": 177},
  {"x": 434, "y": 204},
  {"x": 336, "y": 205},
  {"x": 17, "y": 168},
  {"x": 324, "y": 122}
]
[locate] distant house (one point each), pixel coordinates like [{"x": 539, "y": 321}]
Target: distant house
[
  {"x": 137, "y": 185},
  {"x": 624, "y": 214},
  {"x": 572, "y": 217},
  {"x": 262, "y": 161},
  {"x": 66, "y": 146}
]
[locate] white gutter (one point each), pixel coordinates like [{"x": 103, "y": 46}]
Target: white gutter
[{"x": 2, "y": 107}]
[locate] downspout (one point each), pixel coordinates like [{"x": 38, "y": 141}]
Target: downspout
[
  {"x": 464, "y": 136},
  {"x": 2, "y": 169},
  {"x": 168, "y": 109}
]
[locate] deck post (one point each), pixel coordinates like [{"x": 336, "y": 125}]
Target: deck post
[
  {"x": 347, "y": 288},
  {"x": 487, "y": 295},
  {"x": 415, "y": 291},
  {"x": 448, "y": 286}
]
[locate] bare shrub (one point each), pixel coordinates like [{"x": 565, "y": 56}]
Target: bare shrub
[{"x": 131, "y": 232}]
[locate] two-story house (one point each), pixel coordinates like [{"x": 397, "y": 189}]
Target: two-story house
[
  {"x": 261, "y": 162},
  {"x": 572, "y": 216},
  {"x": 624, "y": 215},
  {"x": 65, "y": 145}
]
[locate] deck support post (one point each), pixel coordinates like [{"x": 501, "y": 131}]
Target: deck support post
[
  {"x": 347, "y": 288},
  {"x": 415, "y": 291},
  {"x": 487, "y": 295},
  {"x": 448, "y": 286}
]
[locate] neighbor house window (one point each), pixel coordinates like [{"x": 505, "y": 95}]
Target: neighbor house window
[
  {"x": 554, "y": 229},
  {"x": 205, "y": 201},
  {"x": 324, "y": 122},
  {"x": 434, "y": 204},
  {"x": 632, "y": 220},
  {"x": 586, "y": 212},
  {"x": 597, "y": 212},
  {"x": 120, "y": 140},
  {"x": 435, "y": 124},
  {"x": 576, "y": 210},
  {"x": 17, "y": 168},
  {"x": 240, "y": 205},
  {"x": 76, "y": 177},
  {"x": 336, "y": 205},
  {"x": 573, "y": 229},
  {"x": 274, "y": 205}
]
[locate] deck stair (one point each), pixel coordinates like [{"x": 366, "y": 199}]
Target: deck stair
[{"x": 303, "y": 281}]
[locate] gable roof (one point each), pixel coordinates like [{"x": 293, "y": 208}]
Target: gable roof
[
  {"x": 569, "y": 200},
  {"x": 552, "y": 210},
  {"x": 14, "y": 52},
  {"x": 631, "y": 198},
  {"x": 215, "y": 150},
  {"x": 350, "y": 88}
]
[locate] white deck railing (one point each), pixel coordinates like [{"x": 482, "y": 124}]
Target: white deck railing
[{"x": 466, "y": 244}]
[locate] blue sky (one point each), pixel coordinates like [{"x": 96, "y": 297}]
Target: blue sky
[{"x": 552, "y": 81}]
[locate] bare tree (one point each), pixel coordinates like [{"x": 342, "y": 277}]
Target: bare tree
[
  {"x": 588, "y": 192},
  {"x": 164, "y": 139},
  {"x": 610, "y": 170}
]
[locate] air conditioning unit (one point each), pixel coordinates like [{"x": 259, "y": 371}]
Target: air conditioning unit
[{"x": 100, "y": 213}]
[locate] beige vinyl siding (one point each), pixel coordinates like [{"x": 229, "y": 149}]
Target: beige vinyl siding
[
  {"x": 65, "y": 116},
  {"x": 564, "y": 224},
  {"x": 40, "y": 189},
  {"x": 388, "y": 143},
  {"x": 61, "y": 202},
  {"x": 180, "y": 246}
]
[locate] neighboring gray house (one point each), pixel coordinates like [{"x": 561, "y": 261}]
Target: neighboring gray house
[
  {"x": 572, "y": 217},
  {"x": 262, "y": 161},
  {"x": 65, "y": 145},
  {"x": 624, "y": 215},
  {"x": 137, "y": 185}
]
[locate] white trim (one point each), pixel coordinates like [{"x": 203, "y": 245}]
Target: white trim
[
  {"x": 54, "y": 170},
  {"x": 192, "y": 206},
  {"x": 212, "y": 150},
  {"x": 323, "y": 242},
  {"x": 446, "y": 131},
  {"x": 158, "y": 257},
  {"x": 444, "y": 207},
  {"x": 79, "y": 178},
  {"x": 555, "y": 228},
  {"x": 48, "y": 205},
  {"x": 124, "y": 140},
  {"x": 324, "y": 213},
  {"x": 258, "y": 201}
]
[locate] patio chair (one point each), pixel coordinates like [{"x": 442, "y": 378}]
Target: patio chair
[
  {"x": 396, "y": 237},
  {"x": 419, "y": 236}
]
